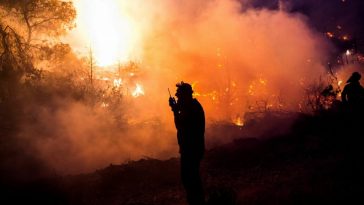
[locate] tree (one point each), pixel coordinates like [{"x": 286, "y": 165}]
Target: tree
[
  {"x": 14, "y": 62},
  {"x": 37, "y": 22},
  {"x": 46, "y": 17},
  {"x": 20, "y": 22}
]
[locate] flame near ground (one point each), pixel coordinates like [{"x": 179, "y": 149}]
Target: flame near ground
[{"x": 234, "y": 56}]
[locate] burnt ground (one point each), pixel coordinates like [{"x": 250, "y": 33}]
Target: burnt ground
[{"x": 318, "y": 161}]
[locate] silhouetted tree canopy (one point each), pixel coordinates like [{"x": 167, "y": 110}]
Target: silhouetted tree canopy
[
  {"x": 26, "y": 30},
  {"x": 46, "y": 17}
]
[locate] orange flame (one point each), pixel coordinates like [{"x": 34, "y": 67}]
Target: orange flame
[
  {"x": 139, "y": 91},
  {"x": 238, "y": 121},
  {"x": 117, "y": 83}
]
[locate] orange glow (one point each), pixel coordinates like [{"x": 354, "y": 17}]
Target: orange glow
[
  {"x": 104, "y": 105},
  {"x": 262, "y": 81},
  {"x": 243, "y": 60},
  {"x": 238, "y": 121},
  {"x": 117, "y": 83},
  {"x": 329, "y": 34},
  {"x": 212, "y": 95},
  {"x": 345, "y": 37},
  {"x": 258, "y": 87},
  {"x": 102, "y": 26},
  {"x": 139, "y": 91}
]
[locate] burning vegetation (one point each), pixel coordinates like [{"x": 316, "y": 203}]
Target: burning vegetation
[
  {"x": 75, "y": 108},
  {"x": 83, "y": 85}
]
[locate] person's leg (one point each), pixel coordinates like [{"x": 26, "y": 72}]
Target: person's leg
[
  {"x": 191, "y": 180},
  {"x": 197, "y": 187}
]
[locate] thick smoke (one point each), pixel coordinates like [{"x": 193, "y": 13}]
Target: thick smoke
[
  {"x": 77, "y": 138},
  {"x": 234, "y": 55},
  {"x": 223, "y": 47}
]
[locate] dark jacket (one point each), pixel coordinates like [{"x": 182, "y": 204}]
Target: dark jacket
[
  {"x": 190, "y": 124},
  {"x": 353, "y": 94}
]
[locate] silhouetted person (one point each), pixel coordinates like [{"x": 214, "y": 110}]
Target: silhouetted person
[
  {"x": 189, "y": 119},
  {"x": 352, "y": 95},
  {"x": 353, "y": 99}
]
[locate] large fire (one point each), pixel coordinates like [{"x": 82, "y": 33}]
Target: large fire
[
  {"x": 243, "y": 79},
  {"x": 102, "y": 26}
]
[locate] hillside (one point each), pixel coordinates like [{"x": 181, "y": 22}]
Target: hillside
[{"x": 317, "y": 161}]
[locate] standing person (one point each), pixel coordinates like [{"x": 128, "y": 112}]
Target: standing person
[
  {"x": 189, "y": 119},
  {"x": 352, "y": 95},
  {"x": 353, "y": 100}
]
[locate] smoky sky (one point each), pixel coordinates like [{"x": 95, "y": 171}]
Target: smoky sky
[{"x": 324, "y": 15}]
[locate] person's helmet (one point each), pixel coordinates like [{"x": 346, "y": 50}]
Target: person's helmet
[
  {"x": 354, "y": 77},
  {"x": 184, "y": 88}
]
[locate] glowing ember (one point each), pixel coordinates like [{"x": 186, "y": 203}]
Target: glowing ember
[
  {"x": 250, "y": 91},
  {"x": 258, "y": 87},
  {"x": 329, "y": 34},
  {"x": 196, "y": 94},
  {"x": 139, "y": 91},
  {"x": 117, "y": 83},
  {"x": 238, "y": 121},
  {"x": 213, "y": 96},
  {"x": 340, "y": 82},
  {"x": 262, "y": 81},
  {"x": 104, "y": 105},
  {"x": 345, "y": 38}
]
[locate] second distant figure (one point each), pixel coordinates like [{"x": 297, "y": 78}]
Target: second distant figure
[
  {"x": 352, "y": 95},
  {"x": 189, "y": 119}
]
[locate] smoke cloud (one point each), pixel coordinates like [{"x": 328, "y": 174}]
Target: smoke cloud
[
  {"x": 224, "y": 49},
  {"x": 235, "y": 56}
]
